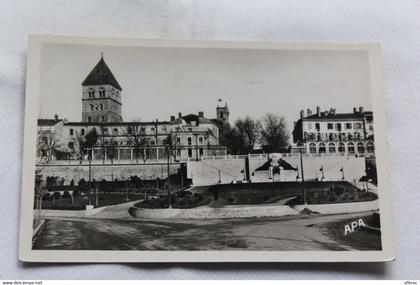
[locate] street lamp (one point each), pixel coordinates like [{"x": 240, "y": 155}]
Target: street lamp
[
  {"x": 322, "y": 173},
  {"x": 301, "y": 148},
  {"x": 89, "y": 151}
]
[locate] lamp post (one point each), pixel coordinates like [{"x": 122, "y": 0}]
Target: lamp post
[
  {"x": 89, "y": 150},
  {"x": 303, "y": 175},
  {"x": 196, "y": 147},
  {"x": 322, "y": 173}
]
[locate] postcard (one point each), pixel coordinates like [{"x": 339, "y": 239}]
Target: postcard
[{"x": 186, "y": 151}]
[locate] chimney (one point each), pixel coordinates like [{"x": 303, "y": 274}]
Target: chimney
[
  {"x": 172, "y": 118},
  {"x": 201, "y": 114},
  {"x": 56, "y": 117},
  {"x": 309, "y": 112},
  {"x": 302, "y": 114},
  {"x": 361, "y": 109},
  {"x": 318, "y": 111},
  {"x": 325, "y": 113},
  {"x": 179, "y": 115},
  {"x": 354, "y": 110},
  {"x": 332, "y": 111}
]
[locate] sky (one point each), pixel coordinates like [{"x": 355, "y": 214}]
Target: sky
[{"x": 160, "y": 82}]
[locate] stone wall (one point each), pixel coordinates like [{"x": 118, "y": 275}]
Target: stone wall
[{"x": 107, "y": 171}]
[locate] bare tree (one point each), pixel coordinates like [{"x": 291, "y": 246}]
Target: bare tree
[
  {"x": 274, "y": 133},
  {"x": 136, "y": 137},
  {"x": 46, "y": 144},
  {"x": 250, "y": 130}
]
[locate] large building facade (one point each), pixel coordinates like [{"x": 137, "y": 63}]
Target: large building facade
[
  {"x": 335, "y": 133},
  {"x": 180, "y": 138}
]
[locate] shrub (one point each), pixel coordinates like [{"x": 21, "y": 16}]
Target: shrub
[{"x": 66, "y": 195}]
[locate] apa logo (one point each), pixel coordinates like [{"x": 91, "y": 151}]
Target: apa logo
[{"x": 353, "y": 225}]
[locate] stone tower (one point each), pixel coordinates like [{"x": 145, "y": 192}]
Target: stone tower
[
  {"x": 222, "y": 111},
  {"x": 101, "y": 100}
]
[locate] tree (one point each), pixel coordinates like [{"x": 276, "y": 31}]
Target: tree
[
  {"x": 88, "y": 141},
  {"x": 274, "y": 133},
  {"x": 136, "y": 137},
  {"x": 46, "y": 144},
  {"x": 107, "y": 143},
  {"x": 249, "y": 129}
]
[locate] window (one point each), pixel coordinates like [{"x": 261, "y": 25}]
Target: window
[
  {"x": 178, "y": 140},
  {"x": 152, "y": 142},
  {"x": 71, "y": 145},
  {"x": 152, "y": 129},
  {"x": 200, "y": 140},
  {"x": 338, "y": 127},
  {"x": 357, "y": 136},
  {"x": 317, "y": 127},
  {"x": 350, "y": 147},
  {"x": 357, "y": 126},
  {"x": 341, "y": 147},
  {"x": 189, "y": 140},
  {"x": 101, "y": 106},
  {"x": 91, "y": 107},
  {"x": 348, "y": 126},
  {"x": 322, "y": 148},
  {"x": 83, "y": 132},
  {"x": 330, "y": 126},
  {"x": 91, "y": 93},
  {"x": 105, "y": 131},
  {"x": 102, "y": 92},
  {"x": 331, "y": 136},
  {"x": 370, "y": 147},
  {"x": 103, "y": 118},
  {"x": 370, "y": 127},
  {"x": 116, "y": 131},
  {"x": 331, "y": 147},
  {"x": 360, "y": 147},
  {"x": 312, "y": 148},
  {"x": 71, "y": 132},
  {"x": 89, "y": 119},
  {"x": 309, "y": 126},
  {"x": 201, "y": 152},
  {"x": 349, "y": 137},
  {"x": 189, "y": 152}
]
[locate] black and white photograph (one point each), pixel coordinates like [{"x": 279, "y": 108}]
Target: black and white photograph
[{"x": 172, "y": 151}]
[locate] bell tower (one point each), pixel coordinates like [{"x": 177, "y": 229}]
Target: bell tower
[
  {"x": 222, "y": 111},
  {"x": 101, "y": 99}
]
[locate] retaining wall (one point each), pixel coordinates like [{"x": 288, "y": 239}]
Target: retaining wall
[{"x": 108, "y": 172}]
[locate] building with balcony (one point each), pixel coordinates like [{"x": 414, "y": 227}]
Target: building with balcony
[{"x": 335, "y": 133}]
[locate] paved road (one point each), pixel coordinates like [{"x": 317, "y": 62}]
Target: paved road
[{"x": 310, "y": 233}]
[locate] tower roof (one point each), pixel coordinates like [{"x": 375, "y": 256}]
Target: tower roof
[{"x": 101, "y": 74}]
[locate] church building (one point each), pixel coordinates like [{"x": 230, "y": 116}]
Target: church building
[{"x": 183, "y": 137}]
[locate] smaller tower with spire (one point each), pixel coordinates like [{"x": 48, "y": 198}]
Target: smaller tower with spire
[{"x": 222, "y": 111}]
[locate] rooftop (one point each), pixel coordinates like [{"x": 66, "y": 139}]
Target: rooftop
[{"x": 101, "y": 74}]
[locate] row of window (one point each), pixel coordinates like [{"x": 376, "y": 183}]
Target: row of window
[
  {"x": 337, "y": 126},
  {"x": 332, "y": 136},
  {"x": 341, "y": 147},
  {"x": 91, "y": 93},
  {"x": 152, "y": 142}
]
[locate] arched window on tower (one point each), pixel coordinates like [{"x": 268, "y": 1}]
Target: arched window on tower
[
  {"x": 91, "y": 93},
  {"x": 101, "y": 92}
]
